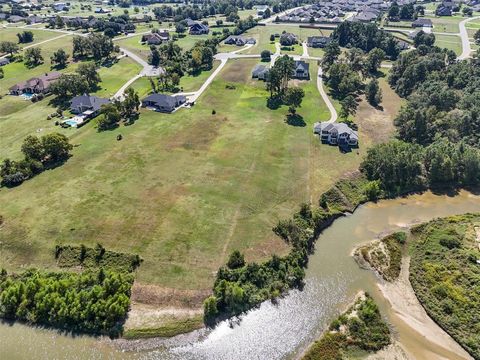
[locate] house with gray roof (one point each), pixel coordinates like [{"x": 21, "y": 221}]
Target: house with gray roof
[
  {"x": 422, "y": 22},
  {"x": 83, "y": 103},
  {"x": 260, "y": 72},
  {"x": 302, "y": 70},
  {"x": 198, "y": 29},
  {"x": 336, "y": 134},
  {"x": 239, "y": 40},
  {"x": 288, "y": 39},
  {"x": 163, "y": 103},
  {"x": 318, "y": 41},
  {"x": 4, "y": 61}
]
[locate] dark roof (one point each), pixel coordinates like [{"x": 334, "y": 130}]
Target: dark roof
[
  {"x": 92, "y": 102},
  {"x": 4, "y": 61},
  {"x": 423, "y": 22},
  {"x": 259, "y": 70},
  {"x": 163, "y": 100},
  {"x": 40, "y": 83},
  {"x": 198, "y": 26},
  {"x": 300, "y": 64}
]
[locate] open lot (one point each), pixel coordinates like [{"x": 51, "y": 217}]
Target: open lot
[
  {"x": 10, "y": 34},
  {"x": 449, "y": 42},
  {"x": 448, "y": 24},
  {"x": 182, "y": 190}
]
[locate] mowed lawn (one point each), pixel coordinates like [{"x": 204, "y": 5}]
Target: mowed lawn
[
  {"x": 449, "y": 42},
  {"x": 20, "y": 118},
  {"x": 10, "y": 34},
  {"x": 182, "y": 190}
]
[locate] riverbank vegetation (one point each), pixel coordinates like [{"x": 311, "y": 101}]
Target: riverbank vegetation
[
  {"x": 93, "y": 302},
  {"x": 445, "y": 274},
  {"x": 361, "y": 327},
  {"x": 240, "y": 286},
  {"x": 384, "y": 255}
]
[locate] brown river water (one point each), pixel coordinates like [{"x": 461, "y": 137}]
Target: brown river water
[{"x": 282, "y": 330}]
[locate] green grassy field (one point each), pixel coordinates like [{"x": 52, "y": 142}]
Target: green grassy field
[
  {"x": 17, "y": 71},
  {"x": 183, "y": 189},
  {"x": 9, "y": 34},
  {"x": 450, "y": 42},
  {"x": 113, "y": 77},
  {"x": 447, "y": 24}
]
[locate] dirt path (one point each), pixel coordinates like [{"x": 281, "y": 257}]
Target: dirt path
[{"x": 430, "y": 341}]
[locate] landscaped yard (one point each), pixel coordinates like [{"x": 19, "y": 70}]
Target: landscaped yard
[{"x": 113, "y": 77}]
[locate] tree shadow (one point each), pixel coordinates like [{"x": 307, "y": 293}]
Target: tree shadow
[
  {"x": 274, "y": 102},
  {"x": 295, "y": 120}
]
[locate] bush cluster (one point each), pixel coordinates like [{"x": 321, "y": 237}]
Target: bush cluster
[{"x": 92, "y": 302}]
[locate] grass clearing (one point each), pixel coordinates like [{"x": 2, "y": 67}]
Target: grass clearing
[
  {"x": 10, "y": 34},
  {"x": 449, "y": 42},
  {"x": 113, "y": 77},
  {"x": 181, "y": 190}
]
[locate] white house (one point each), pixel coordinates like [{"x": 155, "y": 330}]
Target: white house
[{"x": 336, "y": 134}]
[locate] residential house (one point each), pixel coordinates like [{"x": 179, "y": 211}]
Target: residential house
[
  {"x": 288, "y": 39},
  {"x": 446, "y": 8},
  {"x": 86, "y": 103},
  {"x": 4, "y": 61},
  {"x": 3, "y": 16},
  {"x": 163, "y": 103},
  {"x": 318, "y": 41},
  {"x": 239, "y": 40},
  {"x": 190, "y": 22},
  {"x": 35, "y": 85},
  {"x": 261, "y": 9},
  {"x": 35, "y": 19},
  {"x": 302, "y": 70},
  {"x": 336, "y": 134},
  {"x": 422, "y": 22},
  {"x": 100, "y": 10},
  {"x": 260, "y": 72},
  {"x": 15, "y": 19},
  {"x": 199, "y": 29},
  {"x": 156, "y": 38},
  {"x": 60, "y": 6},
  {"x": 364, "y": 16}
]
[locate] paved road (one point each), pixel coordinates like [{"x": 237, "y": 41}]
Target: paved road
[
  {"x": 466, "y": 48},
  {"x": 326, "y": 99},
  {"x": 147, "y": 70},
  {"x": 274, "y": 16}
]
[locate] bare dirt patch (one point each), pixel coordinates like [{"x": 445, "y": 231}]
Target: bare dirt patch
[
  {"x": 377, "y": 123},
  {"x": 167, "y": 297}
]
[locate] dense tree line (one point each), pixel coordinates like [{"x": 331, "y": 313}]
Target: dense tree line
[
  {"x": 40, "y": 153},
  {"x": 404, "y": 167},
  {"x": 366, "y": 37},
  {"x": 92, "y": 302},
  {"x": 443, "y": 97}
]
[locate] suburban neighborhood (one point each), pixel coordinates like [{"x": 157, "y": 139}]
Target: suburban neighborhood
[{"x": 175, "y": 177}]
